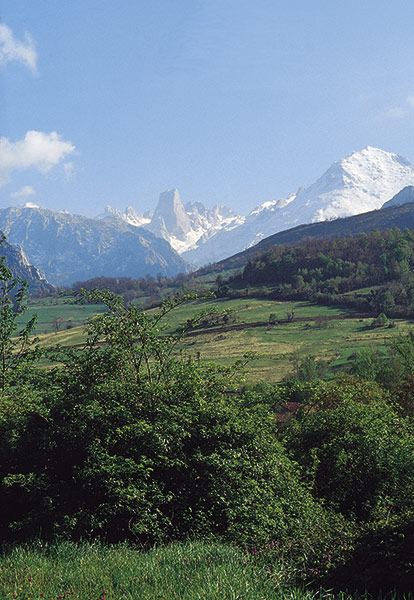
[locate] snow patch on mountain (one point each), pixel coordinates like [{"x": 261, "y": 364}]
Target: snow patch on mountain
[
  {"x": 186, "y": 227},
  {"x": 359, "y": 183},
  {"x": 356, "y": 184},
  {"x": 130, "y": 215}
]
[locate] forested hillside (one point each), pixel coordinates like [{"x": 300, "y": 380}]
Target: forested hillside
[
  {"x": 399, "y": 216},
  {"x": 337, "y": 271}
]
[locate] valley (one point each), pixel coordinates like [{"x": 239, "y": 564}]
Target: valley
[
  {"x": 206, "y": 300},
  {"x": 332, "y": 335}
]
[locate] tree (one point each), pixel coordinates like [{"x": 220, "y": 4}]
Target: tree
[
  {"x": 380, "y": 321},
  {"x": 272, "y": 319},
  {"x": 57, "y": 323},
  {"x": 359, "y": 458},
  {"x": 16, "y": 347},
  {"x": 369, "y": 363},
  {"x": 307, "y": 368}
]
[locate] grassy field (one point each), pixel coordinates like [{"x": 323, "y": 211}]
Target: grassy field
[
  {"x": 49, "y": 310},
  {"x": 333, "y": 340},
  {"x": 190, "y": 571}
]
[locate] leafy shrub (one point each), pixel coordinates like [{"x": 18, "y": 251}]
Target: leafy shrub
[
  {"x": 359, "y": 458},
  {"x": 380, "y": 321},
  {"x": 381, "y": 562},
  {"x": 131, "y": 442}
]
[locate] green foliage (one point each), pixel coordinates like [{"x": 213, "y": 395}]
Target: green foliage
[
  {"x": 392, "y": 367},
  {"x": 175, "y": 572},
  {"x": 328, "y": 270},
  {"x": 358, "y": 458},
  {"x": 307, "y": 368},
  {"x": 129, "y": 438},
  {"x": 380, "y": 321},
  {"x": 272, "y": 319},
  {"x": 369, "y": 363},
  {"x": 136, "y": 442},
  {"x": 403, "y": 349},
  {"x": 382, "y": 560},
  {"x": 16, "y": 352}
]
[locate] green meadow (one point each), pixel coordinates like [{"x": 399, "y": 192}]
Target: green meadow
[
  {"x": 331, "y": 334},
  {"x": 49, "y": 310}
]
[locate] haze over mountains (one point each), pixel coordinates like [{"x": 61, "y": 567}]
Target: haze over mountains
[
  {"x": 177, "y": 237},
  {"x": 69, "y": 248}
]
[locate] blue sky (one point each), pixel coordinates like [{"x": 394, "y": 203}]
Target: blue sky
[{"x": 233, "y": 102}]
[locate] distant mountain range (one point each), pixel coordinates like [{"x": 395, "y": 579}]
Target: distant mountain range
[
  {"x": 176, "y": 237},
  {"x": 361, "y": 182},
  {"x": 69, "y": 248},
  {"x": 185, "y": 227},
  {"x": 396, "y": 215}
]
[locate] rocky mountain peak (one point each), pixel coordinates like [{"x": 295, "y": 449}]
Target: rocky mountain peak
[
  {"x": 170, "y": 219},
  {"x": 130, "y": 215}
]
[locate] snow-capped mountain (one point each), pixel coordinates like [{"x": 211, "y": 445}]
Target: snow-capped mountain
[
  {"x": 130, "y": 215},
  {"x": 404, "y": 196},
  {"x": 190, "y": 226},
  {"x": 361, "y": 182},
  {"x": 68, "y": 247},
  {"x": 183, "y": 227},
  {"x": 170, "y": 221}
]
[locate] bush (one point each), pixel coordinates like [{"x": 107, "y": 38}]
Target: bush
[
  {"x": 381, "y": 562},
  {"x": 359, "y": 458},
  {"x": 380, "y": 321},
  {"x": 130, "y": 442}
]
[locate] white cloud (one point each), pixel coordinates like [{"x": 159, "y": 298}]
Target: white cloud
[
  {"x": 37, "y": 150},
  {"x": 11, "y": 50},
  {"x": 24, "y": 192}
]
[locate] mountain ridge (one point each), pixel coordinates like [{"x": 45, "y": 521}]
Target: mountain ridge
[
  {"x": 68, "y": 248},
  {"x": 400, "y": 216},
  {"x": 184, "y": 227},
  {"x": 360, "y": 182},
  {"x": 17, "y": 261}
]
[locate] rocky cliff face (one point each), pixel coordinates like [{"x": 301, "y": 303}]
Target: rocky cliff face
[
  {"x": 190, "y": 226},
  {"x": 17, "y": 261},
  {"x": 183, "y": 227},
  {"x": 70, "y": 248},
  {"x": 170, "y": 219}
]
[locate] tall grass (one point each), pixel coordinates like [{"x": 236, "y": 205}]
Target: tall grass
[{"x": 188, "y": 571}]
